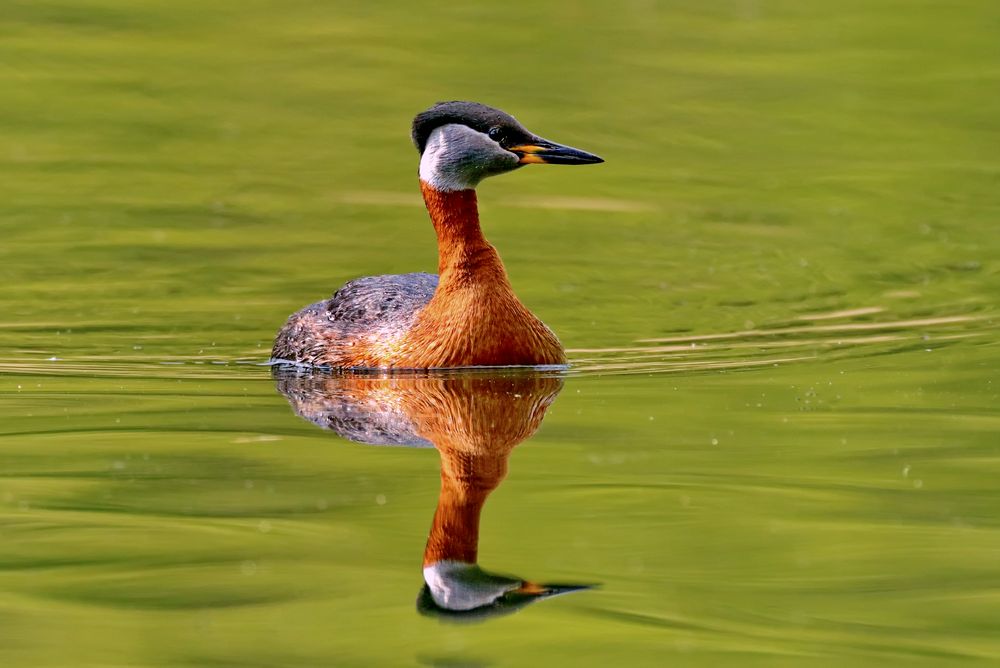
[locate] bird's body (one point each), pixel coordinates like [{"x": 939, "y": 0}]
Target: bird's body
[
  {"x": 467, "y": 315},
  {"x": 366, "y": 313}
]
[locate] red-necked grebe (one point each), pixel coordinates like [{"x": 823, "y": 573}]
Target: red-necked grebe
[{"x": 467, "y": 315}]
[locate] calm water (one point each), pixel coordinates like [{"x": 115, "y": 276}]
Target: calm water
[{"x": 778, "y": 444}]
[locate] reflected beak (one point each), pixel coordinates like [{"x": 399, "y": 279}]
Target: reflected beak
[
  {"x": 543, "y": 151},
  {"x": 537, "y": 590}
]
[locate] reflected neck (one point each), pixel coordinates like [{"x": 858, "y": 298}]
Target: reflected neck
[{"x": 466, "y": 482}]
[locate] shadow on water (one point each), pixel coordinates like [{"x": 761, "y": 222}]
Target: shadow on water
[{"x": 474, "y": 421}]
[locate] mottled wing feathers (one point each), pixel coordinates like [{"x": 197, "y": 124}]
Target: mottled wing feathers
[
  {"x": 375, "y": 300},
  {"x": 326, "y": 332}
]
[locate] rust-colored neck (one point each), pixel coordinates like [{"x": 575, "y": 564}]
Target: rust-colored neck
[
  {"x": 463, "y": 251},
  {"x": 474, "y": 317}
]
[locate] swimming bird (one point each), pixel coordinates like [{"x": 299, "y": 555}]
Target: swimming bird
[{"x": 467, "y": 314}]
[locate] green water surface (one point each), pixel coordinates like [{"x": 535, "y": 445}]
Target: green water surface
[{"x": 779, "y": 444}]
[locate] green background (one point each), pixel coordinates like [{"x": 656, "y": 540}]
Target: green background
[{"x": 814, "y": 183}]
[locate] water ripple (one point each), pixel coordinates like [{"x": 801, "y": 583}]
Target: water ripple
[{"x": 783, "y": 344}]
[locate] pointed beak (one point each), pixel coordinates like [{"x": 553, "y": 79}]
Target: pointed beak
[
  {"x": 543, "y": 151},
  {"x": 537, "y": 590}
]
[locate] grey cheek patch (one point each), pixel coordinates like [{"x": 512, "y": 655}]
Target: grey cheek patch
[{"x": 457, "y": 157}]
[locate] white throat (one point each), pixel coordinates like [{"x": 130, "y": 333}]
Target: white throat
[{"x": 437, "y": 167}]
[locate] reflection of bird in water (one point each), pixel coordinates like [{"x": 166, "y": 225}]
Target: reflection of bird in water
[
  {"x": 474, "y": 421},
  {"x": 468, "y": 315}
]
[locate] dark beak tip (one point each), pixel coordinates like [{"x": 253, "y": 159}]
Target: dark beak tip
[
  {"x": 559, "y": 589},
  {"x": 573, "y": 157},
  {"x": 577, "y": 157}
]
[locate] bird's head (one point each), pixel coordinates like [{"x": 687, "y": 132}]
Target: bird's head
[{"x": 461, "y": 143}]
